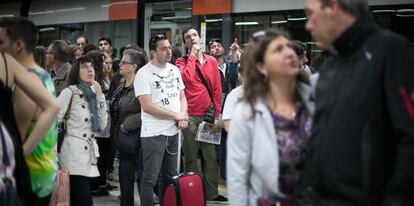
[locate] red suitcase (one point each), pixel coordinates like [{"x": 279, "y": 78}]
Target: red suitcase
[{"x": 185, "y": 189}]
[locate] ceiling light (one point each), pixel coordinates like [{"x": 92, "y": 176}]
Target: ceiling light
[
  {"x": 383, "y": 11},
  {"x": 279, "y": 22},
  {"x": 213, "y": 20},
  {"x": 297, "y": 18},
  {"x": 6, "y": 15},
  {"x": 175, "y": 17},
  {"x": 246, "y": 23}
]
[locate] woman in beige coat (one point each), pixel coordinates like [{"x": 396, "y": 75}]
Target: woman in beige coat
[{"x": 84, "y": 105}]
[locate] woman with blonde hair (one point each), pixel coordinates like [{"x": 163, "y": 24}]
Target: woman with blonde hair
[{"x": 268, "y": 136}]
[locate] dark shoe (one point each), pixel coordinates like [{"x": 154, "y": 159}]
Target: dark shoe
[
  {"x": 220, "y": 199},
  {"x": 99, "y": 192},
  {"x": 108, "y": 187}
]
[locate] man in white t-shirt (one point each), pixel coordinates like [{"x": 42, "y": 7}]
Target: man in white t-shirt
[{"x": 160, "y": 90}]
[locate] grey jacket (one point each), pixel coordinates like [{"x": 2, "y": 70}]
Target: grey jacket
[
  {"x": 252, "y": 157},
  {"x": 61, "y": 81}
]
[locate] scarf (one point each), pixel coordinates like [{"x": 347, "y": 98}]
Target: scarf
[{"x": 90, "y": 97}]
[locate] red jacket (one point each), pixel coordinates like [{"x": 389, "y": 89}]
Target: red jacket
[{"x": 197, "y": 95}]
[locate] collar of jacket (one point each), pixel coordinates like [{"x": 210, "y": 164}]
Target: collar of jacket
[
  {"x": 62, "y": 71},
  {"x": 355, "y": 35},
  {"x": 304, "y": 92}
]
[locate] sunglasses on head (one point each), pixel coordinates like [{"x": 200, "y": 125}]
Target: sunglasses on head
[
  {"x": 256, "y": 36},
  {"x": 157, "y": 37},
  {"x": 214, "y": 40}
]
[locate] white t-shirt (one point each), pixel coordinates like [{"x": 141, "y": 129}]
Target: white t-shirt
[
  {"x": 232, "y": 99},
  {"x": 164, "y": 86}
]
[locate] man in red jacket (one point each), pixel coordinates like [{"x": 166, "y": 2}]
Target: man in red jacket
[{"x": 199, "y": 100}]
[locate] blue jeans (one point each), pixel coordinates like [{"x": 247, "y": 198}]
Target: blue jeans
[{"x": 159, "y": 155}]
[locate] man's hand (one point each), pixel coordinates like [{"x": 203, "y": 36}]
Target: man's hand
[
  {"x": 234, "y": 49},
  {"x": 195, "y": 49},
  {"x": 181, "y": 116},
  {"x": 123, "y": 129},
  {"x": 218, "y": 125},
  {"x": 182, "y": 124}
]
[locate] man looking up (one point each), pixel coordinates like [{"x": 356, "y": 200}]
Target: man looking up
[
  {"x": 160, "y": 90},
  {"x": 81, "y": 41},
  {"x": 105, "y": 45},
  {"x": 361, "y": 148},
  {"x": 199, "y": 101}
]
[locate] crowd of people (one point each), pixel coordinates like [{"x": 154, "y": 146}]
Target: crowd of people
[{"x": 291, "y": 134}]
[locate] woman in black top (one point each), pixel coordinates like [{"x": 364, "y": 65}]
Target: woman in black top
[{"x": 127, "y": 120}]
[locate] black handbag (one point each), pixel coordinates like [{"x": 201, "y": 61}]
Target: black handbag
[
  {"x": 209, "y": 116},
  {"x": 128, "y": 142},
  {"x": 63, "y": 127},
  {"x": 8, "y": 193}
]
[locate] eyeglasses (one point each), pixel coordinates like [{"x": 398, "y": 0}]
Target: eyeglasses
[
  {"x": 124, "y": 62},
  {"x": 156, "y": 38}
]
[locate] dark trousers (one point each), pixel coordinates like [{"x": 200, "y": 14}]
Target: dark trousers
[
  {"x": 104, "y": 145},
  {"x": 80, "y": 193},
  {"x": 41, "y": 201},
  {"x": 130, "y": 165},
  {"x": 222, "y": 154}
]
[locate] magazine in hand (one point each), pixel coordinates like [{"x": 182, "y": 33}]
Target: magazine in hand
[{"x": 204, "y": 133}]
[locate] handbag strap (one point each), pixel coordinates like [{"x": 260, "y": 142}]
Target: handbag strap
[
  {"x": 6, "y": 68},
  {"x": 204, "y": 82},
  {"x": 6, "y": 160},
  {"x": 66, "y": 117}
]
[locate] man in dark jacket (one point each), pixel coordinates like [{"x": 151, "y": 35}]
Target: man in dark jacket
[{"x": 362, "y": 143}]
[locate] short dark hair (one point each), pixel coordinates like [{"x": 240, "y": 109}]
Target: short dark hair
[
  {"x": 74, "y": 71},
  {"x": 186, "y": 30},
  {"x": 60, "y": 50},
  {"x": 155, "y": 39},
  {"x": 105, "y": 39},
  {"x": 355, "y": 7},
  {"x": 21, "y": 28},
  {"x": 86, "y": 39},
  {"x": 97, "y": 60},
  {"x": 298, "y": 47},
  {"x": 214, "y": 40}
]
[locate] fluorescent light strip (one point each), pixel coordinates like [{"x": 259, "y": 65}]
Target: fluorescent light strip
[
  {"x": 246, "y": 23},
  {"x": 214, "y": 20},
  {"x": 47, "y": 29},
  {"x": 279, "y": 22},
  {"x": 7, "y": 15},
  {"x": 175, "y": 17},
  {"x": 405, "y": 10},
  {"x": 405, "y": 15},
  {"x": 297, "y": 19},
  {"x": 383, "y": 11}
]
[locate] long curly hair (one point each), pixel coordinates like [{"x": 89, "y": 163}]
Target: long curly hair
[{"x": 256, "y": 85}]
